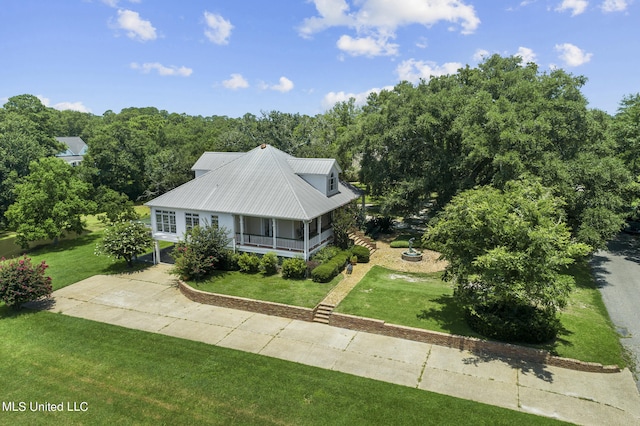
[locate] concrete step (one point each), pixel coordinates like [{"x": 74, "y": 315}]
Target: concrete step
[{"x": 323, "y": 312}]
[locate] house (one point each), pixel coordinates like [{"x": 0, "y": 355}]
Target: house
[
  {"x": 268, "y": 200},
  {"x": 76, "y": 148}
]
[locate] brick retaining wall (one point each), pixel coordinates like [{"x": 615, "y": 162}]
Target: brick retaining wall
[
  {"x": 466, "y": 343},
  {"x": 351, "y": 322},
  {"x": 268, "y": 308}
]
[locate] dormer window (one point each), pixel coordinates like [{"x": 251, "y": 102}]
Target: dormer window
[{"x": 333, "y": 182}]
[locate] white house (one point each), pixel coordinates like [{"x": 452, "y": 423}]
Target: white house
[
  {"x": 75, "y": 150},
  {"x": 268, "y": 200}
]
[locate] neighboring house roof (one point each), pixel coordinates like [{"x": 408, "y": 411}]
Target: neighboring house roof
[
  {"x": 261, "y": 182},
  {"x": 76, "y": 147}
]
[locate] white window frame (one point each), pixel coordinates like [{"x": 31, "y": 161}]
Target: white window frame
[
  {"x": 215, "y": 221},
  {"x": 166, "y": 221},
  {"x": 333, "y": 184},
  {"x": 191, "y": 220}
]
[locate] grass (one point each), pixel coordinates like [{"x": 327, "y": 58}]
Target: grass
[
  {"x": 274, "y": 288},
  {"x": 425, "y": 301},
  {"x": 132, "y": 377}
]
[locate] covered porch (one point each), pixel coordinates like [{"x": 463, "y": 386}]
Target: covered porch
[{"x": 287, "y": 238}]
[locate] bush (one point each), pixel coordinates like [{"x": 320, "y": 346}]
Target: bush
[
  {"x": 125, "y": 240},
  {"x": 228, "y": 261},
  {"x": 199, "y": 253},
  {"x": 325, "y": 254},
  {"x": 362, "y": 253},
  {"x": 328, "y": 270},
  {"x": 21, "y": 281},
  {"x": 269, "y": 263},
  {"x": 399, "y": 244},
  {"x": 294, "y": 268},
  {"x": 516, "y": 324},
  {"x": 249, "y": 263}
]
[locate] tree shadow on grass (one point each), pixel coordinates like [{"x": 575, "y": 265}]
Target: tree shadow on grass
[{"x": 448, "y": 315}]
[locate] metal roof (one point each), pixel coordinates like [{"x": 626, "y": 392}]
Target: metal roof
[
  {"x": 213, "y": 160},
  {"x": 312, "y": 166},
  {"x": 260, "y": 182},
  {"x": 75, "y": 145}
]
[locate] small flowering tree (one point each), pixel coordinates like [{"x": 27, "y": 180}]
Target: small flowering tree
[
  {"x": 198, "y": 254},
  {"x": 21, "y": 281},
  {"x": 124, "y": 240}
]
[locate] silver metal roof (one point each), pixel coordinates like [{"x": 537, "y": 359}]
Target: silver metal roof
[
  {"x": 260, "y": 182},
  {"x": 213, "y": 160},
  {"x": 75, "y": 145},
  {"x": 312, "y": 166}
]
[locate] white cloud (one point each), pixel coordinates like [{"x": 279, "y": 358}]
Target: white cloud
[
  {"x": 575, "y": 6},
  {"x": 366, "y": 46},
  {"x": 114, "y": 3},
  {"x": 63, "y": 106},
  {"x": 332, "y": 98},
  {"x": 614, "y": 6},
  {"x": 284, "y": 85},
  {"x": 526, "y": 54},
  {"x": 237, "y": 81},
  {"x": 136, "y": 27},
  {"x": 480, "y": 54},
  {"x": 218, "y": 29},
  {"x": 412, "y": 70},
  {"x": 572, "y": 55},
  {"x": 375, "y": 21},
  {"x": 162, "y": 70}
]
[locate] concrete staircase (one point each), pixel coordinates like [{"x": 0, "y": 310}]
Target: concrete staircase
[
  {"x": 323, "y": 312},
  {"x": 360, "y": 239}
]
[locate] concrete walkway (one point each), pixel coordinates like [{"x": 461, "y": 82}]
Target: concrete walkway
[{"x": 150, "y": 301}]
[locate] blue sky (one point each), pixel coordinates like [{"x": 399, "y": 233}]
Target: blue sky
[{"x": 298, "y": 56}]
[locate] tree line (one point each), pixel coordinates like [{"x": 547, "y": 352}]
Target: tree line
[{"x": 417, "y": 145}]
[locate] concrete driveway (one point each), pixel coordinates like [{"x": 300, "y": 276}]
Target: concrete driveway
[
  {"x": 150, "y": 301},
  {"x": 617, "y": 272}
]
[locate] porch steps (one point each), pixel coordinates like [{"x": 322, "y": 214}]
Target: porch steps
[
  {"x": 360, "y": 239},
  {"x": 323, "y": 313}
]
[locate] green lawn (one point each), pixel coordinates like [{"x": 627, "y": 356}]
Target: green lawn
[
  {"x": 132, "y": 377},
  {"x": 425, "y": 301},
  {"x": 274, "y": 288}
]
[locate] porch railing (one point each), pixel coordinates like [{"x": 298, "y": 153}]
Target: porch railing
[{"x": 285, "y": 243}]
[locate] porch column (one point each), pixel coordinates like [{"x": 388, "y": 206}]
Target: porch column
[
  {"x": 241, "y": 230},
  {"x": 156, "y": 252},
  {"x": 306, "y": 240},
  {"x": 273, "y": 229}
]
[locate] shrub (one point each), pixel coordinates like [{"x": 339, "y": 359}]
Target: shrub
[
  {"x": 353, "y": 260},
  {"x": 325, "y": 254},
  {"x": 362, "y": 253},
  {"x": 248, "y": 263},
  {"x": 514, "y": 323},
  {"x": 199, "y": 253},
  {"x": 326, "y": 271},
  {"x": 228, "y": 261},
  {"x": 269, "y": 263},
  {"x": 21, "y": 281},
  {"x": 399, "y": 244},
  {"x": 294, "y": 268}
]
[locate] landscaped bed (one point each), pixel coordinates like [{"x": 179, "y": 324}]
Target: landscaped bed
[
  {"x": 270, "y": 288},
  {"x": 425, "y": 301}
]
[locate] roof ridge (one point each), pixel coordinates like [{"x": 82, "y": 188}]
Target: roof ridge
[{"x": 286, "y": 178}]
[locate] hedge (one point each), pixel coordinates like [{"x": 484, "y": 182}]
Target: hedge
[
  {"x": 329, "y": 269},
  {"x": 362, "y": 253}
]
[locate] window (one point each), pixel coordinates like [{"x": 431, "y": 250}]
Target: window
[
  {"x": 333, "y": 184},
  {"x": 166, "y": 221},
  {"x": 191, "y": 220},
  {"x": 214, "y": 221}
]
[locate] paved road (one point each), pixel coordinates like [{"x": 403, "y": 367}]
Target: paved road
[{"x": 617, "y": 272}]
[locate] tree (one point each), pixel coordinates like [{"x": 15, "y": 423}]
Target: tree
[
  {"x": 125, "y": 240},
  {"x": 488, "y": 125},
  {"x": 21, "y": 281},
  {"x": 50, "y": 201},
  {"x": 344, "y": 220},
  {"x": 199, "y": 252},
  {"x": 507, "y": 250}
]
